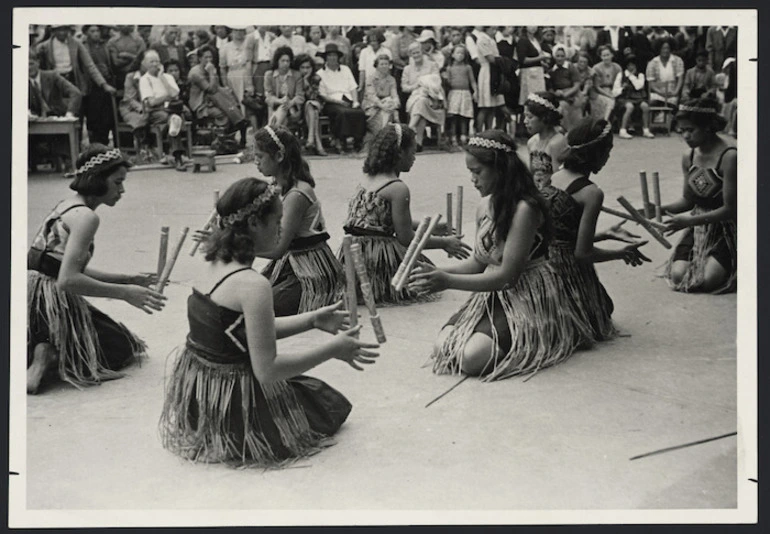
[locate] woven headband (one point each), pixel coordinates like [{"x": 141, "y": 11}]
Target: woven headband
[
  {"x": 397, "y": 126},
  {"x": 247, "y": 211},
  {"x": 97, "y": 160},
  {"x": 695, "y": 109},
  {"x": 537, "y": 99},
  {"x": 489, "y": 143},
  {"x": 274, "y": 135},
  {"x": 605, "y": 133}
]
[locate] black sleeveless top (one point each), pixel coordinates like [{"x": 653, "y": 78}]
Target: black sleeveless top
[
  {"x": 705, "y": 185},
  {"x": 566, "y": 212}
]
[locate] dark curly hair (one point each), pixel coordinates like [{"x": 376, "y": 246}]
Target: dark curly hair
[
  {"x": 235, "y": 242},
  {"x": 711, "y": 121},
  {"x": 279, "y": 53},
  {"x": 665, "y": 40},
  {"x": 384, "y": 153},
  {"x": 303, "y": 58},
  {"x": 548, "y": 116},
  {"x": 94, "y": 181},
  {"x": 588, "y": 159},
  {"x": 515, "y": 183},
  {"x": 293, "y": 165}
]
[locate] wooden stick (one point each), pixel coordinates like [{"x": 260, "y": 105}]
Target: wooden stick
[
  {"x": 170, "y": 264},
  {"x": 645, "y": 195},
  {"x": 350, "y": 281},
  {"x": 420, "y": 246},
  {"x": 677, "y": 447},
  {"x": 644, "y": 222},
  {"x": 459, "y": 211},
  {"x": 116, "y": 123},
  {"x": 463, "y": 379},
  {"x": 163, "y": 252},
  {"x": 449, "y": 212},
  {"x": 209, "y": 223},
  {"x": 421, "y": 229},
  {"x": 626, "y": 216},
  {"x": 656, "y": 196},
  {"x": 366, "y": 289}
]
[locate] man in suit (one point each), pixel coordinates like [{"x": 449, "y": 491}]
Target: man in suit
[
  {"x": 168, "y": 49},
  {"x": 618, "y": 38},
  {"x": 721, "y": 43}
]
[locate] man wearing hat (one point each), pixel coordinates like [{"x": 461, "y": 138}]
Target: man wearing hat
[
  {"x": 338, "y": 90},
  {"x": 429, "y": 44},
  {"x": 375, "y": 48}
]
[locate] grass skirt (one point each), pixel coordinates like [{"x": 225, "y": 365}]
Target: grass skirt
[
  {"x": 719, "y": 240},
  {"x": 305, "y": 280},
  {"x": 220, "y": 413},
  {"x": 543, "y": 329},
  {"x": 89, "y": 345},
  {"x": 591, "y": 301},
  {"x": 382, "y": 256}
]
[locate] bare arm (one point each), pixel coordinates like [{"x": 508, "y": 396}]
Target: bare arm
[{"x": 294, "y": 207}]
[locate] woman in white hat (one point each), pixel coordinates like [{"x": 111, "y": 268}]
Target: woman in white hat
[{"x": 430, "y": 47}]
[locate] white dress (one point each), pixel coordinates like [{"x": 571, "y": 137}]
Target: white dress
[{"x": 487, "y": 47}]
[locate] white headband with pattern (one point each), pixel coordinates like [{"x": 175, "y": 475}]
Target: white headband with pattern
[
  {"x": 489, "y": 143},
  {"x": 274, "y": 135},
  {"x": 97, "y": 160},
  {"x": 247, "y": 211},
  {"x": 695, "y": 109},
  {"x": 602, "y": 135},
  {"x": 537, "y": 99},
  {"x": 397, "y": 126}
]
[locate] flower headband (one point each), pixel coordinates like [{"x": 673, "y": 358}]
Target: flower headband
[
  {"x": 250, "y": 209},
  {"x": 274, "y": 135},
  {"x": 489, "y": 143},
  {"x": 695, "y": 109},
  {"x": 537, "y": 99},
  {"x": 602, "y": 135},
  {"x": 97, "y": 160},
  {"x": 397, "y": 126}
]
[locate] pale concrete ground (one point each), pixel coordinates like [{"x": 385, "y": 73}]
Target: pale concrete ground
[{"x": 561, "y": 440}]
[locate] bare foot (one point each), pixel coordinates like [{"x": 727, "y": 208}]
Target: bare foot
[{"x": 44, "y": 357}]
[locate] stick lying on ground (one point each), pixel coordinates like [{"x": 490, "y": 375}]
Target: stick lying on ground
[
  {"x": 350, "y": 280},
  {"x": 677, "y": 447},
  {"x": 421, "y": 229},
  {"x": 209, "y": 222},
  {"x": 163, "y": 252},
  {"x": 366, "y": 289},
  {"x": 644, "y": 222},
  {"x": 170, "y": 264},
  {"x": 412, "y": 260},
  {"x": 463, "y": 379},
  {"x": 626, "y": 216}
]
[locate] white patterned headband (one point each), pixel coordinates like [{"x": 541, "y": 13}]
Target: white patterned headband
[
  {"x": 274, "y": 135},
  {"x": 696, "y": 109},
  {"x": 397, "y": 126},
  {"x": 537, "y": 99},
  {"x": 489, "y": 143},
  {"x": 605, "y": 133},
  {"x": 97, "y": 160},
  {"x": 247, "y": 211}
]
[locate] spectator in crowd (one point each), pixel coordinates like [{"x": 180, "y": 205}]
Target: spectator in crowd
[
  {"x": 124, "y": 50},
  {"x": 455, "y": 38},
  {"x": 530, "y": 56},
  {"x": 97, "y": 103},
  {"x": 311, "y": 82},
  {"x": 204, "y": 84},
  {"x": 201, "y": 38},
  {"x": 686, "y": 45},
  {"x": 631, "y": 92},
  {"x": 179, "y": 104},
  {"x": 699, "y": 79},
  {"x": 488, "y": 102},
  {"x": 132, "y": 110},
  {"x": 144, "y": 31},
  {"x": 221, "y": 36},
  {"x": 366, "y": 60},
  {"x": 604, "y": 74},
  {"x": 462, "y": 93},
  {"x": 430, "y": 49},
  {"x": 157, "y": 89},
  {"x": 641, "y": 47},
  {"x": 565, "y": 85},
  {"x": 548, "y": 40},
  {"x": 426, "y": 102},
  {"x": 288, "y": 38},
  {"x": 339, "y": 92},
  {"x": 354, "y": 33},
  {"x": 50, "y": 94},
  {"x": 70, "y": 59},
  {"x": 721, "y": 43},
  {"x": 342, "y": 43},
  {"x": 618, "y": 38},
  {"x": 665, "y": 76},
  {"x": 656, "y": 35},
  {"x": 283, "y": 91},
  {"x": 313, "y": 46},
  {"x": 235, "y": 65},
  {"x": 261, "y": 53},
  {"x": 381, "y": 102},
  {"x": 727, "y": 91},
  {"x": 506, "y": 42},
  {"x": 586, "y": 76},
  {"x": 168, "y": 49}
]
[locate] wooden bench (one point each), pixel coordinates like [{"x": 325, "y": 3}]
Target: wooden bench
[
  {"x": 59, "y": 126},
  {"x": 203, "y": 155}
]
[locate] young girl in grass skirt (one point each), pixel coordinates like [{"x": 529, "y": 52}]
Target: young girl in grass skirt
[
  {"x": 575, "y": 206},
  {"x": 379, "y": 218},
  {"x": 518, "y": 319},
  {"x": 231, "y": 398},
  {"x": 541, "y": 117},
  {"x": 65, "y": 333},
  {"x": 304, "y": 273},
  {"x": 706, "y": 257}
]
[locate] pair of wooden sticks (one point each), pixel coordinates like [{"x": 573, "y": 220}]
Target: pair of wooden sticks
[
  {"x": 459, "y": 229},
  {"x": 416, "y": 246},
  {"x": 651, "y": 209},
  {"x": 166, "y": 265},
  {"x": 355, "y": 266}
]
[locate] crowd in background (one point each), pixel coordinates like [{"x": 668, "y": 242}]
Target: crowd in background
[{"x": 335, "y": 86}]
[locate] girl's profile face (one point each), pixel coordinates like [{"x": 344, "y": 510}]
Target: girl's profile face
[
  {"x": 483, "y": 177},
  {"x": 115, "y": 187},
  {"x": 306, "y": 69},
  {"x": 407, "y": 158},
  {"x": 267, "y": 164},
  {"x": 533, "y": 123},
  {"x": 284, "y": 62},
  {"x": 458, "y": 54}
]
